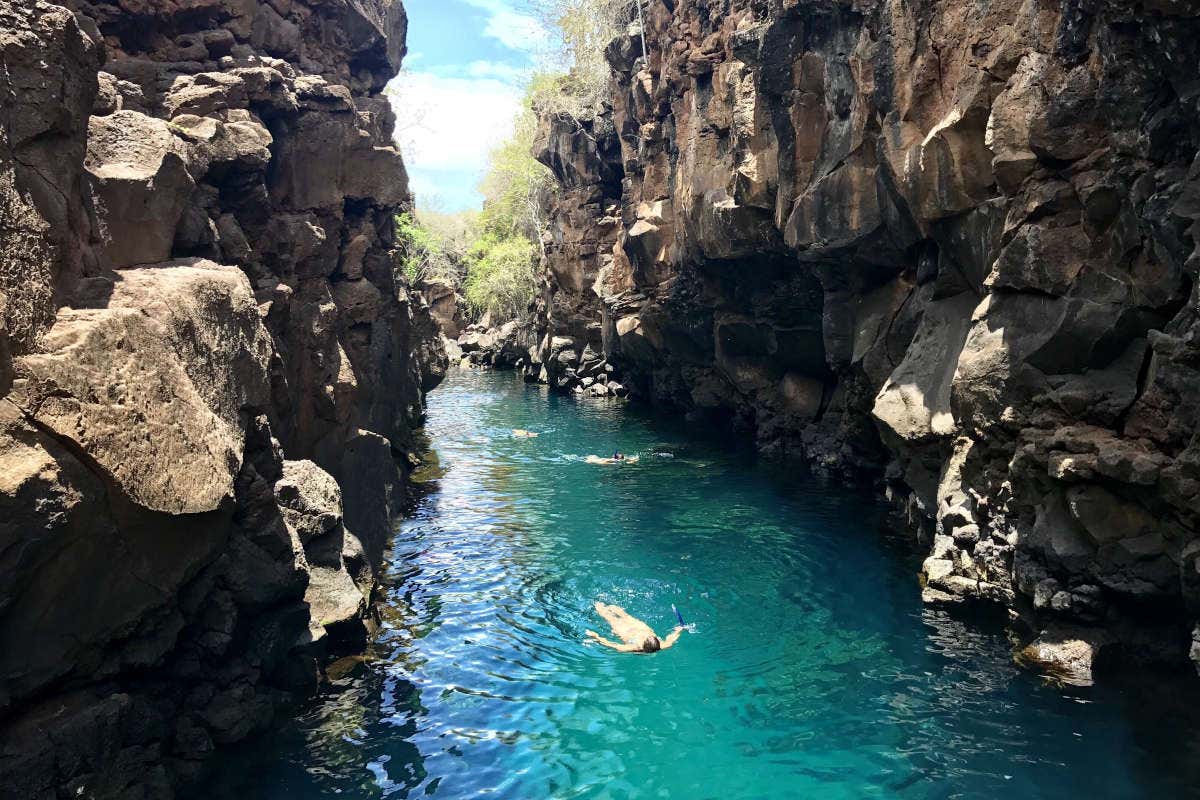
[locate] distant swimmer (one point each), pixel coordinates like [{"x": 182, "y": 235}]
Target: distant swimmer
[
  {"x": 520, "y": 434},
  {"x": 617, "y": 458},
  {"x": 635, "y": 635}
]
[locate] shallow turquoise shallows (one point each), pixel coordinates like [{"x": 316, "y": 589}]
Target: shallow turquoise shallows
[{"x": 813, "y": 672}]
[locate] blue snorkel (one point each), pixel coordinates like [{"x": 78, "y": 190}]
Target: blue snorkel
[{"x": 682, "y": 624}]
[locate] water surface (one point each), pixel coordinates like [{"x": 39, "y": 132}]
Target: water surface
[{"x": 814, "y": 670}]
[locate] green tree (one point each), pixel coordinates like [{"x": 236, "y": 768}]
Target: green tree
[
  {"x": 513, "y": 185},
  {"x": 502, "y": 261},
  {"x": 501, "y": 278}
]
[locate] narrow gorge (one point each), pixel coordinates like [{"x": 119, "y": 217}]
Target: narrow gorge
[{"x": 933, "y": 263}]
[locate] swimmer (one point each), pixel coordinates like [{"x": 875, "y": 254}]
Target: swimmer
[
  {"x": 522, "y": 434},
  {"x": 636, "y": 636},
  {"x": 617, "y": 458}
]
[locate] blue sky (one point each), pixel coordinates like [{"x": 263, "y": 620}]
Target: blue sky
[{"x": 459, "y": 91}]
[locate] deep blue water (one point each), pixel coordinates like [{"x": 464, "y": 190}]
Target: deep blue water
[{"x": 814, "y": 670}]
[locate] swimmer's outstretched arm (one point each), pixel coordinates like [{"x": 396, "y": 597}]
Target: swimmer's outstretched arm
[
  {"x": 672, "y": 637},
  {"x": 623, "y": 648}
]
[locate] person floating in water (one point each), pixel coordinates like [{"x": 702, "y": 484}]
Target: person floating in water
[
  {"x": 617, "y": 458},
  {"x": 522, "y": 434},
  {"x": 636, "y": 636}
]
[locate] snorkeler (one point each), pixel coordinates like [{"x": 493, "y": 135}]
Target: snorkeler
[
  {"x": 636, "y": 636},
  {"x": 617, "y": 458},
  {"x": 523, "y": 434}
]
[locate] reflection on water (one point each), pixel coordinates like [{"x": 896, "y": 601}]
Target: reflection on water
[{"x": 814, "y": 670}]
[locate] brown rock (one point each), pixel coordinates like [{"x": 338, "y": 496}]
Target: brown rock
[
  {"x": 139, "y": 170},
  {"x": 151, "y": 387}
]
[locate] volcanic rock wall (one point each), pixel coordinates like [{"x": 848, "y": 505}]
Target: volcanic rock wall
[
  {"x": 209, "y": 372},
  {"x": 585, "y": 218},
  {"x": 947, "y": 243}
]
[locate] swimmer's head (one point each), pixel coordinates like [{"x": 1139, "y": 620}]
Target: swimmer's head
[{"x": 651, "y": 645}]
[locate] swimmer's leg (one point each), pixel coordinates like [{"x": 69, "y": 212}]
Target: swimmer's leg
[{"x": 611, "y": 615}]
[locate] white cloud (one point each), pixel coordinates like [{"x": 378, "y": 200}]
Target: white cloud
[
  {"x": 511, "y": 28},
  {"x": 496, "y": 69},
  {"x": 476, "y": 70},
  {"x": 450, "y": 115},
  {"x": 447, "y": 124}
]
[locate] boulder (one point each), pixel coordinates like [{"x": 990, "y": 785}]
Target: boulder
[
  {"x": 914, "y": 403},
  {"x": 311, "y": 504},
  {"x": 1066, "y": 655},
  {"x": 65, "y": 539},
  {"x": 140, "y": 174},
  {"x": 151, "y": 386},
  {"x": 309, "y": 499}
]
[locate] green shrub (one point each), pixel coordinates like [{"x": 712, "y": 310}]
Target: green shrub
[
  {"x": 513, "y": 184},
  {"x": 502, "y": 260},
  {"x": 424, "y": 255},
  {"x": 501, "y": 276}
]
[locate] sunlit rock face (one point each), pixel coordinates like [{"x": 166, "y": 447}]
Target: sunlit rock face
[
  {"x": 446, "y": 305},
  {"x": 210, "y": 372},
  {"x": 951, "y": 245}
]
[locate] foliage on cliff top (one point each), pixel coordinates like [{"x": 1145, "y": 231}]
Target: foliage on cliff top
[
  {"x": 501, "y": 279},
  {"x": 513, "y": 183},
  {"x": 574, "y": 77}
]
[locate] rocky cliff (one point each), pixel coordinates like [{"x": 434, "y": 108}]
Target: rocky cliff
[
  {"x": 951, "y": 245},
  {"x": 209, "y": 371}
]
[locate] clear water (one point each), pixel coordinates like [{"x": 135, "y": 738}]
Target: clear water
[{"x": 814, "y": 670}]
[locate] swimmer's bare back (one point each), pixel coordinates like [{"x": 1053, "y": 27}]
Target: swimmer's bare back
[{"x": 635, "y": 635}]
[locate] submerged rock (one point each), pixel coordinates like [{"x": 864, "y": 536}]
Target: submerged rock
[{"x": 1063, "y": 655}]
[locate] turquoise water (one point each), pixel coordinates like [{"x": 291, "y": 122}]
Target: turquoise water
[{"x": 814, "y": 670}]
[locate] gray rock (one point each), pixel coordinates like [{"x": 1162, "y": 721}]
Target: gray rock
[{"x": 152, "y": 386}]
